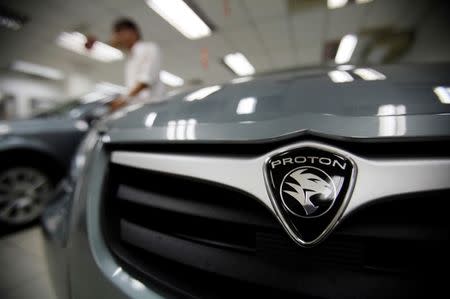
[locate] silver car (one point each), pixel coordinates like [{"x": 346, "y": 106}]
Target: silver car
[
  {"x": 287, "y": 185},
  {"x": 35, "y": 155}
]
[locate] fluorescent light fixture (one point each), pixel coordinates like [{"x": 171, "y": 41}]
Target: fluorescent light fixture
[
  {"x": 202, "y": 93},
  {"x": 369, "y": 74},
  {"x": 443, "y": 94},
  {"x": 75, "y": 42},
  {"x": 178, "y": 14},
  {"x": 170, "y": 79},
  {"x": 363, "y": 1},
  {"x": 346, "y": 48},
  {"x": 239, "y": 64},
  {"x": 340, "y": 76},
  {"x": 332, "y": 4},
  {"x": 37, "y": 70},
  {"x": 246, "y": 105}
]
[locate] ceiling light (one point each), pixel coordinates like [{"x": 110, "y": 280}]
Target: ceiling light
[
  {"x": 346, "y": 48},
  {"x": 178, "y": 14},
  {"x": 443, "y": 94},
  {"x": 170, "y": 79},
  {"x": 75, "y": 41},
  {"x": 246, "y": 105},
  {"x": 37, "y": 70},
  {"x": 369, "y": 74},
  {"x": 239, "y": 64},
  {"x": 332, "y": 4},
  {"x": 340, "y": 76},
  {"x": 202, "y": 93}
]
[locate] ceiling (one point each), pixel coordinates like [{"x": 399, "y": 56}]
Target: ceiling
[{"x": 267, "y": 32}]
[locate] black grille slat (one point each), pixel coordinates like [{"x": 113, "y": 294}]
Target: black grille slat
[
  {"x": 196, "y": 255},
  {"x": 190, "y": 207}
]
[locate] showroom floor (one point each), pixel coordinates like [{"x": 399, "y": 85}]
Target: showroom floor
[{"x": 24, "y": 271}]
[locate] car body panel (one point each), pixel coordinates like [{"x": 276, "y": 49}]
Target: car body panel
[
  {"x": 85, "y": 252},
  {"x": 55, "y": 133},
  {"x": 399, "y": 115},
  {"x": 56, "y": 138},
  {"x": 401, "y": 105}
]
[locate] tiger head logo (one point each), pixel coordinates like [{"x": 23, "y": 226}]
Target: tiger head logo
[{"x": 308, "y": 192}]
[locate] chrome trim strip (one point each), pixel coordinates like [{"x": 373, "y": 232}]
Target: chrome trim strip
[
  {"x": 243, "y": 174},
  {"x": 384, "y": 178},
  {"x": 375, "y": 178}
]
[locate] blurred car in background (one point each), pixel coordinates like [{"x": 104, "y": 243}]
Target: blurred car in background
[{"x": 36, "y": 153}]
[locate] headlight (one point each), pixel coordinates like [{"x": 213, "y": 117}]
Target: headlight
[{"x": 82, "y": 155}]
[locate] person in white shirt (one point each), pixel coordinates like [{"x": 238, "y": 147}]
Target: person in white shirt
[{"x": 142, "y": 67}]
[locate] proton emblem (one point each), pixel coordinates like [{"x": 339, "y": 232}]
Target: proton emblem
[{"x": 309, "y": 188}]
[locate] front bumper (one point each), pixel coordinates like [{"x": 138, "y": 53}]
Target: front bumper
[{"x": 85, "y": 263}]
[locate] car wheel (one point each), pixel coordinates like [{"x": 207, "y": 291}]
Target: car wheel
[{"x": 24, "y": 192}]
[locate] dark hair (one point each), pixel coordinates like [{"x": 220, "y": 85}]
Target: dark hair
[{"x": 126, "y": 24}]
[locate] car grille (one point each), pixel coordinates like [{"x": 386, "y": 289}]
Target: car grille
[{"x": 197, "y": 238}]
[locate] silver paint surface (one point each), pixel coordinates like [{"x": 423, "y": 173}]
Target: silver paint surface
[{"x": 402, "y": 105}]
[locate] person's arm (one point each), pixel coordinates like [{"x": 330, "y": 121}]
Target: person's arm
[
  {"x": 148, "y": 73},
  {"x": 138, "y": 88},
  {"x": 123, "y": 100}
]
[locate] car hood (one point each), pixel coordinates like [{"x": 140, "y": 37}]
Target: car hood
[
  {"x": 41, "y": 125},
  {"x": 372, "y": 102}
]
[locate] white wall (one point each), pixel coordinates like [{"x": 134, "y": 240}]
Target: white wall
[{"x": 24, "y": 88}]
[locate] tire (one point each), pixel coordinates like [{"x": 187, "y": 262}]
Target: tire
[{"x": 24, "y": 193}]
